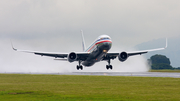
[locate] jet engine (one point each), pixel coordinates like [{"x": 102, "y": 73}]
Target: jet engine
[
  {"x": 123, "y": 56},
  {"x": 72, "y": 57}
]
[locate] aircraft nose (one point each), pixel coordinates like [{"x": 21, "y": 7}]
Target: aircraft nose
[{"x": 107, "y": 45}]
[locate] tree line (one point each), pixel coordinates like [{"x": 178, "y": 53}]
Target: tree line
[{"x": 160, "y": 62}]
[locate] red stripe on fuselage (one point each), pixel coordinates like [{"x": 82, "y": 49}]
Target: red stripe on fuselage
[
  {"x": 99, "y": 43},
  {"x": 103, "y": 42}
]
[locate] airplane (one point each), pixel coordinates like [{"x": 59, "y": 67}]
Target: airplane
[{"x": 96, "y": 52}]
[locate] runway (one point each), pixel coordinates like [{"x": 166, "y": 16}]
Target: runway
[{"x": 135, "y": 74}]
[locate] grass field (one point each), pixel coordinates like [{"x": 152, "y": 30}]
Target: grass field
[{"x": 26, "y": 87}]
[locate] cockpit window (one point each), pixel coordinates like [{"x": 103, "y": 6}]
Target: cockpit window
[{"x": 104, "y": 38}]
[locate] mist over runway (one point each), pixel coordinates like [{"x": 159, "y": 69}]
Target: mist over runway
[
  {"x": 134, "y": 74},
  {"x": 128, "y": 74},
  {"x": 19, "y": 62}
]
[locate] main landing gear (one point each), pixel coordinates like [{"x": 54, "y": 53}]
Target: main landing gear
[
  {"x": 79, "y": 66},
  {"x": 109, "y": 66}
]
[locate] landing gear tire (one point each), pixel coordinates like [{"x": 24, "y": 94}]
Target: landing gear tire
[
  {"x": 79, "y": 67},
  {"x": 109, "y": 67}
]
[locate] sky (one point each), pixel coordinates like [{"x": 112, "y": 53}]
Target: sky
[{"x": 54, "y": 25}]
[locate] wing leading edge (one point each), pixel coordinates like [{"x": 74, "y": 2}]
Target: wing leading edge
[
  {"x": 114, "y": 55},
  {"x": 80, "y": 56},
  {"x": 84, "y": 55}
]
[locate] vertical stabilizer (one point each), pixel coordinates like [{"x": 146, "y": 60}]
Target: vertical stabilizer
[{"x": 83, "y": 42}]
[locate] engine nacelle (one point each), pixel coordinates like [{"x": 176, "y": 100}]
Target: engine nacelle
[
  {"x": 72, "y": 57},
  {"x": 123, "y": 56}
]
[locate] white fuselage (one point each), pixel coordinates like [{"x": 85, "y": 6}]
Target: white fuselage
[{"x": 97, "y": 50}]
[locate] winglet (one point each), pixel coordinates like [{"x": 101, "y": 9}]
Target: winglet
[
  {"x": 83, "y": 42},
  {"x": 13, "y": 47},
  {"x": 166, "y": 43}
]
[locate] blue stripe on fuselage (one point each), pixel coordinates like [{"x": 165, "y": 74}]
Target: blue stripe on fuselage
[{"x": 94, "y": 44}]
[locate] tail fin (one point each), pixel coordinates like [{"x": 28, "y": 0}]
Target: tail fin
[{"x": 83, "y": 42}]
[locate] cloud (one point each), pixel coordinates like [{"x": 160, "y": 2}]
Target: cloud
[{"x": 137, "y": 21}]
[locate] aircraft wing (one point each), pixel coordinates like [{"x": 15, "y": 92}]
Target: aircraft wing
[
  {"x": 114, "y": 55},
  {"x": 146, "y": 51},
  {"x": 50, "y": 54},
  {"x": 80, "y": 56},
  {"x": 143, "y": 51}
]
